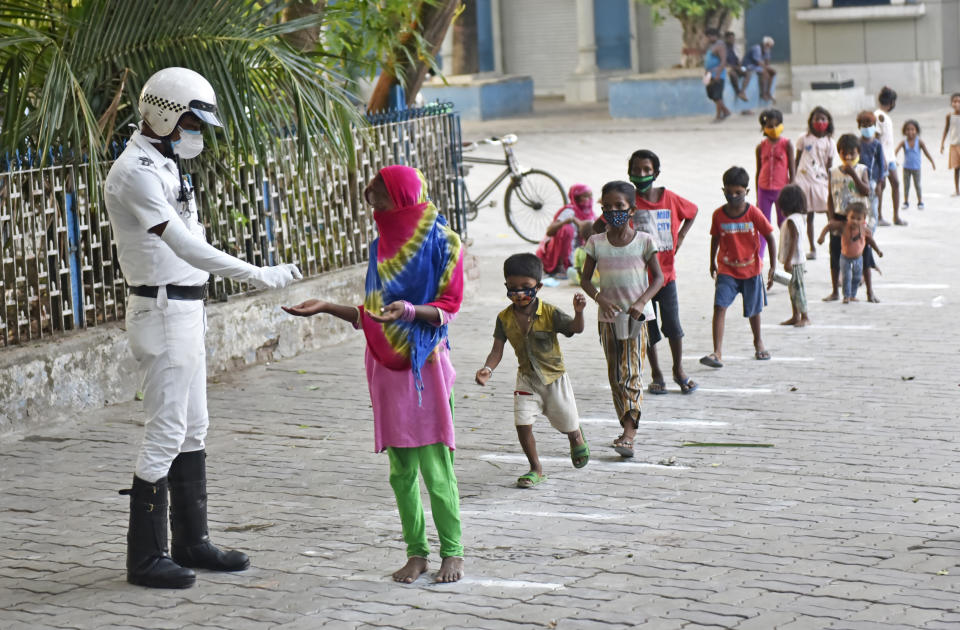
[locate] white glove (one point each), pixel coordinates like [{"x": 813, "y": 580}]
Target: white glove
[
  {"x": 205, "y": 256},
  {"x": 276, "y": 277}
]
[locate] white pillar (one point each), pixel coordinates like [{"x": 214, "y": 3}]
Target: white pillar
[
  {"x": 586, "y": 39},
  {"x": 582, "y": 86},
  {"x": 497, "y": 36},
  {"x": 446, "y": 53},
  {"x": 634, "y": 38}
]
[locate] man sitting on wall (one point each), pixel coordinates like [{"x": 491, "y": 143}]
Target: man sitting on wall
[{"x": 757, "y": 59}]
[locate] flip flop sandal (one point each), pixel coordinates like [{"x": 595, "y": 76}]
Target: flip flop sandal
[
  {"x": 687, "y": 386},
  {"x": 657, "y": 388},
  {"x": 580, "y": 453},
  {"x": 762, "y": 355},
  {"x": 530, "y": 479},
  {"x": 711, "y": 360},
  {"x": 623, "y": 447}
]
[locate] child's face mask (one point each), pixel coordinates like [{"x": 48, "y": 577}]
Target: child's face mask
[
  {"x": 821, "y": 126},
  {"x": 868, "y": 132},
  {"x": 851, "y": 159},
  {"x": 642, "y": 182},
  {"x": 523, "y": 295},
  {"x": 773, "y": 132},
  {"x": 616, "y": 218}
]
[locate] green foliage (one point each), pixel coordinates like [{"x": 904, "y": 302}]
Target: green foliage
[
  {"x": 364, "y": 36},
  {"x": 71, "y": 70},
  {"x": 695, "y": 10}
]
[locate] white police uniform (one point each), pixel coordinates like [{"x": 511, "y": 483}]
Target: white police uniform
[{"x": 143, "y": 189}]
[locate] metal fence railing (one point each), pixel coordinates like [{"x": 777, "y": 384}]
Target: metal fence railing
[{"x": 59, "y": 263}]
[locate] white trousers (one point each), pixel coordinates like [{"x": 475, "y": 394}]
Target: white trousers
[{"x": 166, "y": 337}]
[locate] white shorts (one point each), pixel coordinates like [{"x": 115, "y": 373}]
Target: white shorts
[{"x": 555, "y": 401}]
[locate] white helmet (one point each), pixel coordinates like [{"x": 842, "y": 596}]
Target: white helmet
[{"x": 172, "y": 92}]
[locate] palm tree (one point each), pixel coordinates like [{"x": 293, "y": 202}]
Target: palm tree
[{"x": 71, "y": 70}]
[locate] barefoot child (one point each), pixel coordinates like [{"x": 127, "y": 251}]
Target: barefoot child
[
  {"x": 793, "y": 203},
  {"x": 667, "y": 217},
  {"x": 735, "y": 262},
  {"x": 887, "y": 100},
  {"x": 623, "y": 256},
  {"x": 951, "y": 131},
  {"x": 855, "y": 237},
  {"x": 849, "y": 183},
  {"x": 814, "y": 160},
  {"x": 543, "y": 387},
  {"x": 912, "y": 145},
  {"x": 414, "y": 288}
]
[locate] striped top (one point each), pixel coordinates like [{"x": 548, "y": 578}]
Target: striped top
[{"x": 623, "y": 270}]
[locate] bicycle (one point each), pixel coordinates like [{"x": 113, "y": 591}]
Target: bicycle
[{"x": 532, "y": 198}]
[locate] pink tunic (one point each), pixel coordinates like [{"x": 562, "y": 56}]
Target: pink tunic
[
  {"x": 774, "y": 168},
  {"x": 398, "y": 419}
]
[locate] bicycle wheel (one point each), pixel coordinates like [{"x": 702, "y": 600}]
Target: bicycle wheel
[{"x": 530, "y": 203}]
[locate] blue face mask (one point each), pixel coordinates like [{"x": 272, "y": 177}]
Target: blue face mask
[
  {"x": 616, "y": 218},
  {"x": 868, "y": 132}
]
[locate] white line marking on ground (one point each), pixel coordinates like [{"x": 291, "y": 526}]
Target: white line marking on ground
[
  {"x": 745, "y": 358},
  {"x": 489, "y": 582},
  {"x": 688, "y": 422},
  {"x": 571, "y": 515},
  {"x": 735, "y": 390},
  {"x": 892, "y": 303},
  {"x": 496, "y": 583},
  {"x": 824, "y": 326},
  {"x": 593, "y": 465},
  {"x": 906, "y": 285}
]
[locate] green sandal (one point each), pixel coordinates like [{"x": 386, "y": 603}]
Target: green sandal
[
  {"x": 580, "y": 453},
  {"x": 530, "y": 479}
]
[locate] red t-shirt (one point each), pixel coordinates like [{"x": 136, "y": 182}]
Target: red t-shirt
[
  {"x": 662, "y": 219},
  {"x": 738, "y": 253}
]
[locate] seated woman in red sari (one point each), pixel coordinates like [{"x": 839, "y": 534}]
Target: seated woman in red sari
[{"x": 565, "y": 233}]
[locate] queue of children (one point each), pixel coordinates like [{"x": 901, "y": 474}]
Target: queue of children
[{"x": 414, "y": 289}]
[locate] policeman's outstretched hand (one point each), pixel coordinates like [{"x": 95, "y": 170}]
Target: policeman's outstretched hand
[{"x": 276, "y": 277}]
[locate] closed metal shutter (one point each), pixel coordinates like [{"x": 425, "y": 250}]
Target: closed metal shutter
[{"x": 540, "y": 40}]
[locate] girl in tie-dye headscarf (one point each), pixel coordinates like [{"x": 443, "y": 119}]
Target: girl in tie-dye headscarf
[{"x": 413, "y": 290}]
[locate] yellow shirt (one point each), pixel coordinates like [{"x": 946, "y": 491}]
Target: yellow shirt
[{"x": 538, "y": 351}]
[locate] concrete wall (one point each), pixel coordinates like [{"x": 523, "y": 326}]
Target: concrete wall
[
  {"x": 912, "y": 54},
  {"x": 659, "y": 46},
  {"x": 45, "y": 381}
]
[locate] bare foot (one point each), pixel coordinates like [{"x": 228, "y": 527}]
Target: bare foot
[
  {"x": 833, "y": 297},
  {"x": 793, "y": 321},
  {"x": 451, "y": 570},
  {"x": 414, "y": 568},
  {"x": 804, "y": 321},
  {"x": 873, "y": 298}
]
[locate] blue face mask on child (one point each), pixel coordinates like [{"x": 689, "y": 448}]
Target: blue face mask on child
[
  {"x": 868, "y": 132},
  {"x": 616, "y": 218}
]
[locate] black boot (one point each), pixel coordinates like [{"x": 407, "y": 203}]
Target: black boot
[
  {"x": 191, "y": 544},
  {"x": 147, "y": 561}
]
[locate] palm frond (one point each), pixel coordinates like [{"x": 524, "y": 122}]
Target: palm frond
[{"x": 62, "y": 66}]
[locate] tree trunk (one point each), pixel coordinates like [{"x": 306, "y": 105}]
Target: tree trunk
[
  {"x": 694, "y": 34},
  {"x": 304, "y": 40},
  {"x": 465, "y": 41},
  {"x": 432, "y": 22}
]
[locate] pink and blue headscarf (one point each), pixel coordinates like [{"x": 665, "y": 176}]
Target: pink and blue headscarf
[{"x": 417, "y": 258}]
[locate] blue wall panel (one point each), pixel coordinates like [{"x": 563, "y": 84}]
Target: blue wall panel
[
  {"x": 611, "y": 27},
  {"x": 770, "y": 17},
  {"x": 484, "y": 36}
]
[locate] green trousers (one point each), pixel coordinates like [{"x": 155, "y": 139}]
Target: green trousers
[{"x": 435, "y": 463}]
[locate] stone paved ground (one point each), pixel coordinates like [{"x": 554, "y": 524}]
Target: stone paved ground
[{"x": 849, "y": 520}]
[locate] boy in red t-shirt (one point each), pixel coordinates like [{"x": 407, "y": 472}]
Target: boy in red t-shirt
[
  {"x": 735, "y": 261},
  {"x": 667, "y": 217}
]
